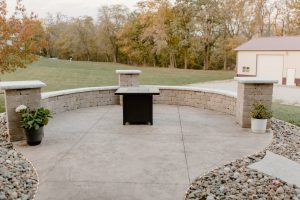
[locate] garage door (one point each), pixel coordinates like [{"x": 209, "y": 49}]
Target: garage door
[{"x": 270, "y": 67}]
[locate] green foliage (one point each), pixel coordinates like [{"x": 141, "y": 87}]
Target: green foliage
[
  {"x": 34, "y": 119},
  {"x": 259, "y": 111}
]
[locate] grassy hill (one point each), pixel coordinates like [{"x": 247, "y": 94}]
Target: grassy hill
[{"x": 62, "y": 74}]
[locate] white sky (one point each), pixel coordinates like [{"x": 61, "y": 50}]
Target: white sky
[{"x": 72, "y": 8}]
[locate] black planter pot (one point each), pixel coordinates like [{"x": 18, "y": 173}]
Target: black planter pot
[{"x": 34, "y": 137}]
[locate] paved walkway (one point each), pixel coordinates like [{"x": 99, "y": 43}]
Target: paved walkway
[
  {"x": 282, "y": 94},
  {"x": 280, "y": 167},
  {"x": 88, "y": 153}
]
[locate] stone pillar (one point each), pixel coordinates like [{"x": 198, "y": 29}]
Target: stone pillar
[
  {"x": 128, "y": 78},
  {"x": 17, "y": 93},
  {"x": 251, "y": 90}
]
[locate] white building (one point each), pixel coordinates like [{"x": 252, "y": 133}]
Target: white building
[{"x": 271, "y": 58}]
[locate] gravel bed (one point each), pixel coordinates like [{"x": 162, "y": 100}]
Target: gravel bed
[
  {"x": 18, "y": 179},
  {"x": 236, "y": 181}
]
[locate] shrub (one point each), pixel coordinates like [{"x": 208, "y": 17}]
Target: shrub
[
  {"x": 259, "y": 111},
  {"x": 33, "y": 119}
]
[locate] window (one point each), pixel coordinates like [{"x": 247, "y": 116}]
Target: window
[{"x": 246, "y": 69}]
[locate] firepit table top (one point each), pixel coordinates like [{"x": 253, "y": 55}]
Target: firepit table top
[{"x": 137, "y": 91}]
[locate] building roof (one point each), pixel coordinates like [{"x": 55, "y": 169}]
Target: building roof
[{"x": 286, "y": 43}]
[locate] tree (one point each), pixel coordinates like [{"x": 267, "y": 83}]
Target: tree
[
  {"x": 111, "y": 20},
  {"x": 83, "y": 37},
  {"x": 54, "y": 27},
  {"x": 132, "y": 45},
  {"x": 21, "y": 38},
  {"x": 209, "y": 18},
  {"x": 184, "y": 24},
  {"x": 161, "y": 29}
]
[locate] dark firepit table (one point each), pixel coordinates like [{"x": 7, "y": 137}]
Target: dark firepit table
[{"x": 137, "y": 104}]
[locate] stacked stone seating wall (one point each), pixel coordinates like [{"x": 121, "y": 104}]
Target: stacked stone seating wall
[{"x": 61, "y": 101}]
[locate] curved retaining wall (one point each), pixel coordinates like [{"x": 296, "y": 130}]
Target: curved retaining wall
[
  {"x": 66, "y": 100},
  {"x": 217, "y": 100}
]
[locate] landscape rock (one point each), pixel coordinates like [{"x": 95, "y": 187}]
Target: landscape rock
[
  {"x": 244, "y": 183},
  {"x": 15, "y": 171}
]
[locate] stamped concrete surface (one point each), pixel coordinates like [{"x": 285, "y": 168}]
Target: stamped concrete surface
[
  {"x": 280, "y": 167},
  {"x": 88, "y": 153},
  {"x": 283, "y": 94}
]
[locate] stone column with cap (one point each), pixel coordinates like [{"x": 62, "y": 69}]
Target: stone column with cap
[
  {"x": 252, "y": 90},
  {"x": 128, "y": 78},
  {"x": 17, "y": 93}
]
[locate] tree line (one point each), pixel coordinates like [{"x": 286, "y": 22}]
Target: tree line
[{"x": 189, "y": 34}]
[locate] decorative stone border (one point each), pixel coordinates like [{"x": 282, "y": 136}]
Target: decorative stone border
[
  {"x": 235, "y": 181},
  {"x": 18, "y": 177}
]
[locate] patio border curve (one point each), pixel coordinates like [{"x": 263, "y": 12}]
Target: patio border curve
[{"x": 67, "y": 100}]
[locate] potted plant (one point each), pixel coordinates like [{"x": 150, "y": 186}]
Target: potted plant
[
  {"x": 259, "y": 118},
  {"x": 33, "y": 122}
]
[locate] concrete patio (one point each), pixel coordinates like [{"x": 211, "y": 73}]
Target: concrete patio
[{"x": 89, "y": 154}]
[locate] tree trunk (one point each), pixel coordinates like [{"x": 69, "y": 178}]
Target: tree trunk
[
  {"x": 225, "y": 62},
  {"x": 171, "y": 62},
  {"x": 185, "y": 60},
  {"x": 116, "y": 53},
  {"x": 206, "y": 57},
  {"x": 174, "y": 60}
]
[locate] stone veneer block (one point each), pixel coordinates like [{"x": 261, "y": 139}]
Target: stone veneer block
[
  {"x": 20, "y": 93},
  {"x": 250, "y": 91},
  {"x": 128, "y": 78},
  {"x": 67, "y": 100}
]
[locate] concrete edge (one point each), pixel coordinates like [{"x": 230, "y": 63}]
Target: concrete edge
[
  {"x": 196, "y": 89},
  {"x": 128, "y": 71},
  {"x": 47, "y": 95},
  {"x": 91, "y": 89},
  {"x": 14, "y": 85},
  {"x": 254, "y": 80}
]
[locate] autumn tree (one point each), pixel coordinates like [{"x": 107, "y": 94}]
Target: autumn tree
[
  {"x": 21, "y": 37},
  {"x": 111, "y": 19}
]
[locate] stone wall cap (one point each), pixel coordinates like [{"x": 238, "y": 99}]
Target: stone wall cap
[
  {"x": 196, "y": 89},
  {"x": 128, "y": 71},
  {"x": 255, "y": 80},
  {"x": 14, "y": 85},
  {"x": 47, "y": 95}
]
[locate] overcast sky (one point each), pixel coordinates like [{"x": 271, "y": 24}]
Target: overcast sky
[{"x": 72, "y": 8}]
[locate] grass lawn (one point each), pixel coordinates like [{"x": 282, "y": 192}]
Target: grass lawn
[
  {"x": 61, "y": 74},
  {"x": 287, "y": 113}
]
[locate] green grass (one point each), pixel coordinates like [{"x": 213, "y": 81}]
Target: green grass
[
  {"x": 287, "y": 113},
  {"x": 62, "y": 74},
  {"x": 2, "y": 104}
]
